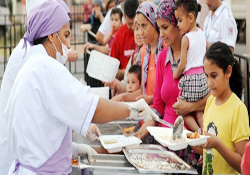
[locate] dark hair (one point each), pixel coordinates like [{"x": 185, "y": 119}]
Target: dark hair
[
  {"x": 137, "y": 70},
  {"x": 220, "y": 54},
  {"x": 189, "y": 6},
  {"x": 108, "y": 3},
  {"x": 130, "y": 7},
  {"x": 117, "y": 11},
  {"x": 40, "y": 40}
]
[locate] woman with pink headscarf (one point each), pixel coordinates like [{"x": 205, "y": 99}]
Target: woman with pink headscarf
[{"x": 166, "y": 88}]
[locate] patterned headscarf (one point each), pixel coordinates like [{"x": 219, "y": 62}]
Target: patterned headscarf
[
  {"x": 148, "y": 9},
  {"x": 166, "y": 11}
]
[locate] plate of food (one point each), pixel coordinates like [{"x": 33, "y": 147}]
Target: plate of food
[
  {"x": 115, "y": 143},
  {"x": 164, "y": 136}
]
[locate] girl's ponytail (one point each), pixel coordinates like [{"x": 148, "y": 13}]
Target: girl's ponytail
[
  {"x": 199, "y": 7},
  {"x": 236, "y": 79},
  {"x": 220, "y": 54}
]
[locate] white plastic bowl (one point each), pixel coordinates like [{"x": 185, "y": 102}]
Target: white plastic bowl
[{"x": 102, "y": 67}]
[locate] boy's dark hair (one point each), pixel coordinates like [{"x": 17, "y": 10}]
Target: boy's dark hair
[
  {"x": 189, "y": 6},
  {"x": 117, "y": 11},
  {"x": 220, "y": 54},
  {"x": 109, "y": 2},
  {"x": 137, "y": 70},
  {"x": 130, "y": 7}
]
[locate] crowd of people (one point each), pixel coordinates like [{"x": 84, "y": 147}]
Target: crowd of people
[
  {"x": 180, "y": 66},
  {"x": 168, "y": 64}
]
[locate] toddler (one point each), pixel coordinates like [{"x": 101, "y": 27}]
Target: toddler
[
  {"x": 116, "y": 23},
  {"x": 192, "y": 84},
  {"x": 133, "y": 79}
]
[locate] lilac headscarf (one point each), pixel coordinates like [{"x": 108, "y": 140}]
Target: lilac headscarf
[
  {"x": 64, "y": 5},
  {"x": 44, "y": 20},
  {"x": 148, "y": 9},
  {"x": 166, "y": 11}
]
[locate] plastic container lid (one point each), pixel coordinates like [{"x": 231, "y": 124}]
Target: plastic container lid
[{"x": 102, "y": 67}]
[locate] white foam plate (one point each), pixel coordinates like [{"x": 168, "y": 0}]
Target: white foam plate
[
  {"x": 102, "y": 67},
  {"x": 115, "y": 143},
  {"x": 100, "y": 91},
  {"x": 163, "y": 135}
]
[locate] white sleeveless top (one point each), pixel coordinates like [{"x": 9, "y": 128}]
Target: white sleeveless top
[{"x": 196, "y": 49}]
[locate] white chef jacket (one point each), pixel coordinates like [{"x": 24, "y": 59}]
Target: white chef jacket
[
  {"x": 45, "y": 100},
  {"x": 15, "y": 62},
  {"x": 221, "y": 27}
]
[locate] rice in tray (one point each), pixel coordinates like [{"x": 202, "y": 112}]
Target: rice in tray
[
  {"x": 156, "y": 162},
  {"x": 171, "y": 140}
]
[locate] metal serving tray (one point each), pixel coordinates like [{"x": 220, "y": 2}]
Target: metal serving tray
[
  {"x": 105, "y": 161},
  {"x": 161, "y": 156},
  {"x": 113, "y": 163}
]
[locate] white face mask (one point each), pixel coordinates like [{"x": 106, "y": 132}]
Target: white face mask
[{"x": 61, "y": 58}]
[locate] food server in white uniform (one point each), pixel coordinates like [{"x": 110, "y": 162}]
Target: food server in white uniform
[
  {"x": 46, "y": 101},
  {"x": 15, "y": 62}
]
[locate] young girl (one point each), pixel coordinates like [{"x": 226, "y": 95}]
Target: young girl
[
  {"x": 225, "y": 117},
  {"x": 192, "y": 85}
]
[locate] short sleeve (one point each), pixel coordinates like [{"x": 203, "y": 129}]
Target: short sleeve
[
  {"x": 240, "y": 124},
  {"x": 71, "y": 102},
  {"x": 115, "y": 50},
  {"x": 105, "y": 26},
  {"x": 229, "y": 32}
]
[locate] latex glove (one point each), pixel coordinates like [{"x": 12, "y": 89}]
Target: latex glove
[
  {"x": 82, "y": 149},
  {"x": 139, "y": 110},
  {"x": 93, "y": 133}
]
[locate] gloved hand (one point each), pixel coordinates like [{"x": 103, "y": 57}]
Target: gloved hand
[
  {"x": 139, "y": 110},
  {"x": 82, "y": 149},
  {"x": 93, "y": 133}
]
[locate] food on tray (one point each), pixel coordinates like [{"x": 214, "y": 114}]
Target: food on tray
[
  {"x": 74, "y": 162},
  {"x": 156, "y": 162},
  {"x": 193, "y": 135},
  {"x": 129, "y": 131},
  {"x": 110, "y": 141},
  {"x": 171, "y": 140}
]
